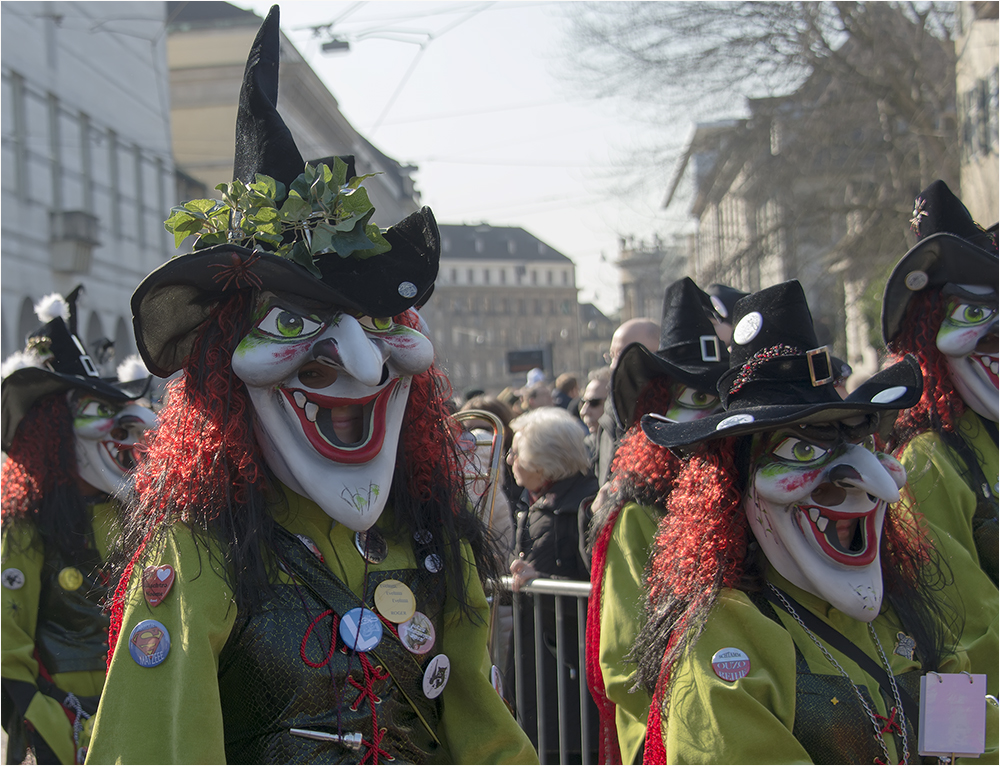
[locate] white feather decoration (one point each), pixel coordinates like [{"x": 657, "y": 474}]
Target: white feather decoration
[
  {"x": 52, "y": 306},
  {"x": 132, "y": 368},
  {"x": 18, "y": 361}
]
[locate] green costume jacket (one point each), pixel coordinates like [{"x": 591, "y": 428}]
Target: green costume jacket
[
  {"x": 622, "y": 614},
  {"x": 948, "y": 504},
  {"x": 23, "y": 613},
  {"x": 793, "y": 706},
  {"x": 173, "y": 712}
]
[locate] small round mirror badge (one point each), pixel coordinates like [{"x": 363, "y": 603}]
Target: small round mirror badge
[{"x": 731, "y": 664}]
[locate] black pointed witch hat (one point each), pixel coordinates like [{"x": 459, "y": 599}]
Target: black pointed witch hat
[
  {"x": 779, "y": 375},
  {"x": 173, "y": 302},
  {"x": 689, "y": 352},
  {"x": 55, "y": 360},
  {"x": 951, "y": 249}
]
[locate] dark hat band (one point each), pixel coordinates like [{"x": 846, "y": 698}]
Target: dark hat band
[
  {"x": 705, "y": 348},
  {"x": 780, "y": 366}
]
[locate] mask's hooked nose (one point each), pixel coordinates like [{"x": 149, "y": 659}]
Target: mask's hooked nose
[
  {"x": 348, "y": 348},
  {"x": 131, "y": 423},
  {"x": 858, "y": 469}
]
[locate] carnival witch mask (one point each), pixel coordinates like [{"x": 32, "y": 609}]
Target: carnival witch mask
[
  {"x": 330, "y": 389},
  {"x": 327, "y": 368},
  {"x": 968, "y": 340},
  {"x": 817, "y": 490},
  {"x": 816, "y": 501}
]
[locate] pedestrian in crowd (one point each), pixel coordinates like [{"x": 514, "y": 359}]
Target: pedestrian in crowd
[
  {"x": 70, "y": 438},
  {"x": 567, "y": 389},
  {"x": 302, "y": 575},
  {"x": 512, "y": 398},
  {"x": 640, "y": 330},
  {"x": 549, "y": 462},
  {"x": 592, "y": 407},
  {"x": 677, "y": 383},
  {"x": 536, "y": 395},
  {"x": 940, "y": 305},
  {"x": 790, "y": 611}
]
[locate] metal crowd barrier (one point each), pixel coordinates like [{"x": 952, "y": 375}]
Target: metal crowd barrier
[{"x": 568, "y": 595}]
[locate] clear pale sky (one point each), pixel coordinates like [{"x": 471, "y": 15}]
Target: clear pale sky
[{"x": 471, "y": 94}]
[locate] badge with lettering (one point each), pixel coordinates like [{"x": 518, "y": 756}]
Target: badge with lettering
[
  {"x": 371, "y": 545},
  {"x": 149, "y": 643},
  {"x": 436, "y": 676},
  {"x": 395, "y": 601},
  {"x": 13, "y": 579},
  {"x": 361, "y": 629},
  {"x": 70, "y": 578},
  {"x": 417, "y": 633},
  {"x": 156, "y": 583},
  {"x": 731, "y": 664}
]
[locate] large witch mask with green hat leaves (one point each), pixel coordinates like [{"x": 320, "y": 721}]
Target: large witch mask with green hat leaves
[{"x": 327, "y": 368}]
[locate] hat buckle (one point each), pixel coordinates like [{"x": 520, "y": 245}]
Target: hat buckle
[
  {"x": 709, "y": 348},
  {"x": 824, "y": 353}
]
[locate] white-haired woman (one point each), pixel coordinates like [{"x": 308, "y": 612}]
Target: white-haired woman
[{"x": 550, "y": 462}]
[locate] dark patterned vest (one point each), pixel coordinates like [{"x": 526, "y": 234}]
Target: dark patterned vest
[
  {"x": 830, "y": 722},
  {"x": 277, "y": 672},
  {"x": 72, "y": 630}
]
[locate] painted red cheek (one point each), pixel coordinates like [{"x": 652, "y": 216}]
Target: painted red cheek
[
  {"x": 401, "y": 342},
  {"x": 287, "y": 353},
  {"x": 799, "y": 481}
]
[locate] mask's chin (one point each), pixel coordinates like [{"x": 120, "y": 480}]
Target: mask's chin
[
  {"x": 302, "y": 438},
  {"x": 975, "y": 378}
]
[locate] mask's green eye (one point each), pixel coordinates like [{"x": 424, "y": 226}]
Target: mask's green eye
[
  {"x": 375, "y": 324},
  {"x": 694, "y": 399},
  {"x": 797, "y": 450},
  {"x": 971, "y": 314},
  {"x": 91, "y": 408},
  {"x": 868, "y": 443},
  {"x": 288, "y": 325}
]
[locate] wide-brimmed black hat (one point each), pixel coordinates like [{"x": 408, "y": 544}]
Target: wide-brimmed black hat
[
  {"x": 951, "y": 249},
  {"x": 723, "y": 299},
  {"x": 779, "y": 375},
  {"x": 55, "y": 360},
  {"x": 171, "y": 304},
  {"x": 689, "y": 352}
]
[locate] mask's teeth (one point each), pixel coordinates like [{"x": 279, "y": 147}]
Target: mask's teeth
[
  {"x": 814, "y": 514},
  {"x": 821, "y": 523},
  {"x": 311, "y": 410},
  {"x": 300, "y": 399}
]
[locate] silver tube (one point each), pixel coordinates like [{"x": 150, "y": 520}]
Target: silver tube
[
  {"x": 351, "y": 739},
  {"x": 581, "y": 637},
  {"x": 561, "y": 679},
  {"x": 539, "y": 679}
]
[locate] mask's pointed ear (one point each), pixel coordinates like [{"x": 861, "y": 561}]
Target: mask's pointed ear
[{"x": 263, "y": 142}]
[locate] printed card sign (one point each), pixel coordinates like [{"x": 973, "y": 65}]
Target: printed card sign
[{"x": 952, "y": 714}]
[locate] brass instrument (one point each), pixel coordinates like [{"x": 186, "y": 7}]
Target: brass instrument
[{"x": 495, "y": 442}]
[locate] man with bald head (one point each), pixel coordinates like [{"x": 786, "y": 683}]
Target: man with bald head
[{"x": 639, "y": 330}]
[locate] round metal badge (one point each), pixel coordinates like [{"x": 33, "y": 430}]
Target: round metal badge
[
  {"x": 731, "y": 664},
  {"x": 436, "y": 676},
  {"x": 13, "y": 579},
  {"x": 361, "y": 629},
  {"x": 433, "y": 563},
  {"x": 70, "y": 578},
  {"x": 395, "y": 601},
  {"x": 149, "y": 643},
  {"x": 748, "y": 328},
  {"x": 417, "y": 633},
  {"x": 371, "y": 545}
]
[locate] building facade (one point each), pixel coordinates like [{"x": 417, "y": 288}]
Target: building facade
[
  {"x": 502, "y": 290},
  {"x": 87, "y": 170},
  {"x": 207, "y": 50},
  {"x": 647, "y": 269}
]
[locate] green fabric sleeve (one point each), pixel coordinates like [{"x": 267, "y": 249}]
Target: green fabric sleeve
[
  {"x": 170, "y": 713},
  {"x": 22, "y": 550},
  {"x": 622, "y": 614},
  {"x": 947, "y": 504},
  {"x": 476, "y": 725}
]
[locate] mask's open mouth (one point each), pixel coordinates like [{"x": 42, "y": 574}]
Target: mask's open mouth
[
  {"x": 847, "y": 538},
  {"x": 342, "y": 430},
  {"x": 122, "y": 455},
  {"x": 986, "y": 366}
]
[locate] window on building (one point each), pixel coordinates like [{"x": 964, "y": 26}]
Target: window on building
[
  {"x": 503, "y": 276},
  {"x": 511, "y": 246},
  {"x": 471, "y": 276},
  {"x": 565, "y": 277},
  {"x": 548, "y": 276},
  {"x": 454, "y": 276},
  {"x": 445, "y": 244},
  {"x": 534, "y": 277},
  {"x": 486, "y": 276},
  {"x": 538, "y": 307},
  {"x": 480, "y": 245}
]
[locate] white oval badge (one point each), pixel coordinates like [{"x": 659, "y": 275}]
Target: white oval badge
[
  {"x": 731, "y": 664},
  {"x": 407, "y": 289},
  {"x": 916, "y": 280},
  {"x": 13, "y": 579},
  {"x": 734, "y": 420},
  {"x": 748, "y": 328},
  {"x": 888, "y": 395},
  {"x": 436, "y": 676}
]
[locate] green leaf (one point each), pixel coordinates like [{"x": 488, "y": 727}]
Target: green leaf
[
  {"x": 339, "y": 172},
  {"x": 294, "y": 210},
  {"x": 210, "y": 239},
  {"x": 300, "y": 254},
  {"x": 380, "y": 244},
  {"x": 355, "y": 182},
  {"x": 356, "y": 201},
  {"x": 322, "y": 239},
  {"x": 353, "y": 241},
  {"x": 348, "y": 223}
]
